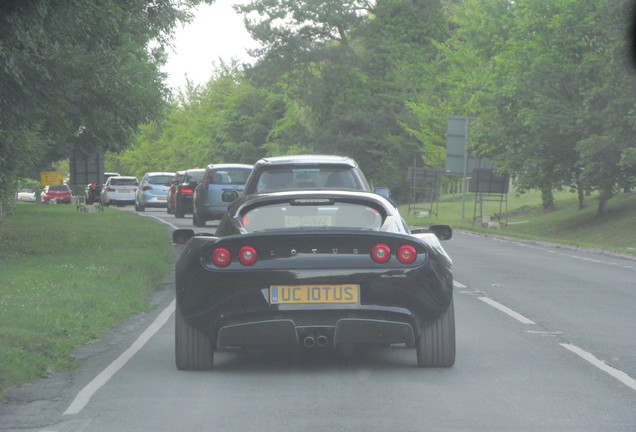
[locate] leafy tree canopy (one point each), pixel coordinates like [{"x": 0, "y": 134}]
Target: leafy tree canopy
[{"x": 79, "y": 74}]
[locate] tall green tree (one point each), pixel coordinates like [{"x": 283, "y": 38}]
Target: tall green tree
[
  {"x": 228, "y": 120},
  {"x": 78, "y": 74},
  {"x": 536, "y": 93},
  {"x": 346, "y": 67},
  {"x": 606, "y": 155}
]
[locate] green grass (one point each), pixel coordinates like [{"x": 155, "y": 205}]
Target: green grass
[
  {"x": 615, "y": 231},
  {"x": 66, "y": 277}
]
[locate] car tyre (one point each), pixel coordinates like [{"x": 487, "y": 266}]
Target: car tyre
[
  {"x": 196, "y": 221},
  {"x": 178, "y": 213},
  {"x": 436, "y": 344},
  {"x": 139, "y": 207},
  {"x": 193, "y": 348}
]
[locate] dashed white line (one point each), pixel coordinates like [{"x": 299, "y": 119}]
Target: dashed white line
[
  {"x": 600, "y": 364},
  {"x": 516, "y": 315},
  {"x": 85, "y": 395},
  {"x": 459, "y": 285}
]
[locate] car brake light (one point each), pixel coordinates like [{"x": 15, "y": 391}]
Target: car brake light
[
  {"x": 380, "y": 253},
  {"x": 247, "y": 255},
  {"x": 221, "y": 257},
  {"x": 187, "y": 191},
  {"x": 146, "y": 188},
  {"x": 406, "y": 254},
  {"x": 110, "y": 189}
]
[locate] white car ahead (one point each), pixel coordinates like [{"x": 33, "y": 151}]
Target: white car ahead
[{"x": 119, "y": 190}]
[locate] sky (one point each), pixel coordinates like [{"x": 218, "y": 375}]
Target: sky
[{"x": 217, "y": 31}]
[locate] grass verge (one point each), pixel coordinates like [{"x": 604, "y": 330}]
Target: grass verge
[
  {"x": 66, "y": 277},
  {"x": 614, "y": 231}
]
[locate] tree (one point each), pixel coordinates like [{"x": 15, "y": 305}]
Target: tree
[
  {"x": 79, "y": 74},
  {"x": 548, "y": 85},
  {"x": 606, "y": 156},
  {"x": 226, "y": 121},
  {"x": 346, "y": 68}
]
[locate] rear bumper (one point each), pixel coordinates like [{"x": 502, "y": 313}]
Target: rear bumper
[
  {"x": 288, "y": 333},
  {"x": 184, "y": 203},
  {"x": 154, "y": 202}
]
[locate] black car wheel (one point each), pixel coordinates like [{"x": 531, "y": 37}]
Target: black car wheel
[
  {"x": 178, "y": 213},
  {"x": 196, "y": 221},
  {"x": 193, "y": 348},
  {"x": 436, "y": 344},
  {"x": 139, "y": 207}
]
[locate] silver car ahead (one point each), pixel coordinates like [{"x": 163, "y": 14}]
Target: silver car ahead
[{"x": 153, "y": 190}]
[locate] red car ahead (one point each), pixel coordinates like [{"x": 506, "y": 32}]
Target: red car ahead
[
  {"x": 57, "y": 194},
  {"x": 172, "y": 192}
]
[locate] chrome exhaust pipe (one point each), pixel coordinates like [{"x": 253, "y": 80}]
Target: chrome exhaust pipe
[
  {"x": 322, "y": 341},
  {"x": 309, "y": 341}
]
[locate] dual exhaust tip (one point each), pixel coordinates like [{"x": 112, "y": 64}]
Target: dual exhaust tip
[{"x": 311, "y": 341}]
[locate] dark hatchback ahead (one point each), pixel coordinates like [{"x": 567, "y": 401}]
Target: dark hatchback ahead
[
  {"x": 184, "y": 191},
  {"x": 218, "y": 179}
]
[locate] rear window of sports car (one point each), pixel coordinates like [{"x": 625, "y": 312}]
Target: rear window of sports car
[{"x": 327, "y": 215}]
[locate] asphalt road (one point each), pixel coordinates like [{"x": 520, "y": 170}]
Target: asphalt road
[{"x": 546, "y": 341}]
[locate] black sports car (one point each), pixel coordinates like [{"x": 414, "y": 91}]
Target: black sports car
[{"x": 314, "y": 269}]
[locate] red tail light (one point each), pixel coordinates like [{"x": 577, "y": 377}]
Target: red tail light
[
  {"x": 187, "y": 191},
  {"x": 110, "y": 189},
  {"x": 247, "y": 255},
  {"x": 146, "y": 188},
  {"x": 221, "y": 257},
  {"x": 381, "y": 253},
  {"x": 406, "y": 254}
]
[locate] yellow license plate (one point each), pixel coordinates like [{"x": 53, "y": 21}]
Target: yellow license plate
[
  {"x": 125, "y": 191},
  {"x": 162, "y": 198},
  {"x": 308, "y": 294}
]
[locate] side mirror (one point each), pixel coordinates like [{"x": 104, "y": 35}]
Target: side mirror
[
  {"x": 229, "y": 196},
  {"x": 443, "y": 232},
  {"x": 383, "y": 191},
  {"x": 181, "y": 236}
]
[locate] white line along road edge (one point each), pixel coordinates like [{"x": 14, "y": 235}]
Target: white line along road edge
[{"x": 85, "y": 395}]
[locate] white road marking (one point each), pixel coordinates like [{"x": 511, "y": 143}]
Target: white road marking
[
  {"x": 516, "y": 315},
  {"x": 85, "y": 395},
  {"x": 590, "y": 358},
  {"x": 160, "y": 220},
  {"x": 544, "y": 333},
  {"x": 459, "y": 285}
]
